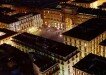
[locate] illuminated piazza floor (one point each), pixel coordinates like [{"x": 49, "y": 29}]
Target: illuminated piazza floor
[{"x": 47, "y": 32}]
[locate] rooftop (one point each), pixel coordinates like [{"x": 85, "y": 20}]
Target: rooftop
[
  {"x": 103, "y": 5},
  {"x": 92, "y": 64},
  {"x": 96, "y": 12},
  {"x": 19, "y": 15},
  {"x": 88, "y": 30},
  {"x": 43, "y": 62},
  {"x": 69, "y": 5},
  {"x": 46, "y": 45},
  {"x": 38, "y": 3},
  {"x": 4, "y": 33},
  {"x": 84, "y": 1},
  {"x": 15, "y": 17},
  {"x": 10, "y": 54},
  {"x": 103, "y": 43},
  {"x": 5, "y": 10}
]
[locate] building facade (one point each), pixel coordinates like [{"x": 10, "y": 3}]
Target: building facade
[
  {"x": 6, "y": 35},
  {"x": 20, "y": 22},
  {"x": 90, "y": 65},
  {"x": 65, "y": 60},
  {"x": 53, "y": 18},
  {"x": 75, "y": 38},
  {"x": 102, "y": 48},
  {"x": 85, "y": 4}
]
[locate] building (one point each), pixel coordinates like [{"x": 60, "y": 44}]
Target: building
[
  {"x": 100, "y": 2},
  {"x": 65, "y": 55},
  {"x": 85, "y": 3},
  {"x": 62, "y": 19},
  {"x": 6, "y": 35},
  {"x": 103, "y": 6},
  {"x": 17, "y": 9},
  {"x": 53, "y": 17},
  {"x": 11, "y": 56},
  {"x": 5, "y": 10},
  {"x": 67, "y": 16},
  {"x": 94, "y": 12},
  {"x": 80, "y": 18},
  {"x": 72, "y": 16},
  {"x": 20, "y": 21},
  {"x": 87, "y": 36},
  {"x": 63, "y": 1},
  {"x": 102, "y": 48},
  {"x": 46, "y": 66},
  {"x": 91, "y": 65}
]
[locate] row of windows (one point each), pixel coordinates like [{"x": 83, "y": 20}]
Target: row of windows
[
  {"x": 69, "y": 66},
  {"x": 78, "y": 72},
  {"x": 87, "y": 5},
  {"x": 90, "y": 47},
  {"x": 37, "y": 17},
  {"x": 26, "y": 25},
  {"x": 53, "y": 18},
  {"x": 26, "y": 49},
  {"x": 52, "y": 12}
]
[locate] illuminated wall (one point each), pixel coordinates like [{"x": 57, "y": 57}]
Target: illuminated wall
[
  {"x": 102, "y": 50},
  {"x": 56, "y": 18},
  {"x": 53, "y": 70},
  {"x": 69, "y": 23},
  {"x": 79, "y": 72},
  {"x": 85, "y": 5},
  {"x": 3, "y": 25},
  {"x": 24, "y": 24},
  {"x": 94, "y": 4},
  {"x": 62, "y": 19},
  {"x": 86, "y": 46},
  {"x": 53, "y": 18},
  {"x": 80, "y": 18},
  {"x": 65, "y": 67},
  {"x": 100, "y": 2}
]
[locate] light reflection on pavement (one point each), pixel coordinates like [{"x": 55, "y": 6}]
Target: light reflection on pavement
[{"x": 50, "y": 33}]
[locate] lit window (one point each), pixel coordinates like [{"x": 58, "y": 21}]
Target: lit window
[
  {"x": 48, "y": 11},
  {"x": 85, "y": 44}
]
